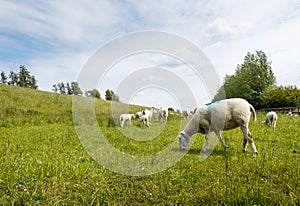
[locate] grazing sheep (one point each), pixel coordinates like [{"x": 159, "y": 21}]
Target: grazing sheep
[
  {"x": 185, "y": 114},
  {"x": 145, "y": 120},
  {"x": 148, "y": 114},
  {"x": 271, "y": 119},
  {"x": 162, "y": 115},
  {"x": 126, "y": 117},
  {"x": 138, "y": 114},
  {"x": 221, "y": 115}
]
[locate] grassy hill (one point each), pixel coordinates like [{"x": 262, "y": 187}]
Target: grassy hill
[
  {"x": 23, "y": 106},
  {"x": 42, "y": 160}
]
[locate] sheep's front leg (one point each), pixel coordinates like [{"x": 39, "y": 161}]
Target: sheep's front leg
[
  {"x": 221, "y": 140},
  {"x": 206, "y": 148}
]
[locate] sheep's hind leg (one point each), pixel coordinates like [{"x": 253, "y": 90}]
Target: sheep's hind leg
[
  {"x": 252, "y": 145},
  {"x": 245, "y": 143},
  {"x": 248, "y": 139}
]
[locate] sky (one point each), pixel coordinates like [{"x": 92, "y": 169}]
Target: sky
[{"x": 56, "y": 39}]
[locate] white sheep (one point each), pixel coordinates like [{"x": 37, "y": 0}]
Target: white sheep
[
  {"x": 126, "y": 118},
  {"x": 185, "y": 114},
  {"x": 271, "y": 119},
  {"x": 138, "y": 114},
  {"x": 148, "y": 114},
  {"x": 163, "y": 114},
  {"x": 145, "y": 120},
  {"x": 221, "y": 115}
]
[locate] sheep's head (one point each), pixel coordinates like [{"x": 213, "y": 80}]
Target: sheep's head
[{"x": 184, "y": 141}]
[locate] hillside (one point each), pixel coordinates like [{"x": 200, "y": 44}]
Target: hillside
[{"x": 23, "y": 106}]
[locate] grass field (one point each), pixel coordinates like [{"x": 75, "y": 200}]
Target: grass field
[{"x": 42, "y": 161}]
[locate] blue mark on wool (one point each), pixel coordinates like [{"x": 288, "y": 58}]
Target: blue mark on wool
[{"x": 213, "y": 103}]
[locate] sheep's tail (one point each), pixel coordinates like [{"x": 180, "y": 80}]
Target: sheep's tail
[{"x": 253, "y": 111}]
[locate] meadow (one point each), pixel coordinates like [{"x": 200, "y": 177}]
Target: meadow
[{"x": 42, "y": 160}]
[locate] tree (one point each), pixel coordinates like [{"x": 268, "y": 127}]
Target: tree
[
  {"x": 288, "y": 96},
  {"x": 110, "y": 95},
  {"x": 115, "y": 97},
  {"x": 67, "y": 88},
  {"x": 3, "y": 77},
  {"x": 55, "y": 88},
  {"x": 75, "y": 88},
  {"x": 14, "y": 78},
  {"x": 33, "y": 83},
  {"x": 61, "y": 88},
  {"x": 93, "y": 93},
  {"x": 249, "y": 80},
  {"x": 24, "y": 77}
]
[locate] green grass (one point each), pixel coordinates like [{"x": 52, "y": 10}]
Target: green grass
[{"x": 42, "y": 161}]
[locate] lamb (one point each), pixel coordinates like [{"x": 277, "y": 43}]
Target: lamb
[
  {"x": 218, "y": 116},
  {"x": 162, "y": 115},
  {"x": 271, "y": 119},
  {"x": 185, "y": 115},
  {"x": 126, "y": 117},
  {"x": 148, "y": 114},
  {"x": 138, "y": 114},
  {"x": 145, "y": 120}
]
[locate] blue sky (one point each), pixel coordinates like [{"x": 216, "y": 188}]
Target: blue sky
[{"x": 54, "y": 39}]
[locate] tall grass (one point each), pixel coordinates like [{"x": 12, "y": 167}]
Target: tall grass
[{"x": 42, "y": 161}]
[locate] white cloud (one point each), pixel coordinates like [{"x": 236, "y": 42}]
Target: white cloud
[{"x": 219, "y": 27}]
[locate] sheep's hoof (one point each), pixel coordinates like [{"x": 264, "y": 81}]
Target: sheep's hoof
[
  {"x": 204, "y": 150},
  {"x": 226, "y": 148},
  {"x": 254, "y": 154}
]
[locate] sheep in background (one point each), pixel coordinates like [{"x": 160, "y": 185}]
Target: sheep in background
[
  {"x": 145, "y": 120},
  {"x": 185, "y": 114},
  {"x": 126, "y": 118},
  {"x": 148, "y": 113},
  {"x": 138, "y": 114},
  {"x": 221, "y": 115},
  {"x": 271, "y": 119},
  {"x": 162, "y": 115}
]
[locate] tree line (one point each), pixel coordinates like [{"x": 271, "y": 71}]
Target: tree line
[
  {"x": 23, "y": 78},
  {"x": 280, "y": 96},
  {"x": 254, "y": 81},
  {"x": 73, "y": 88}
]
